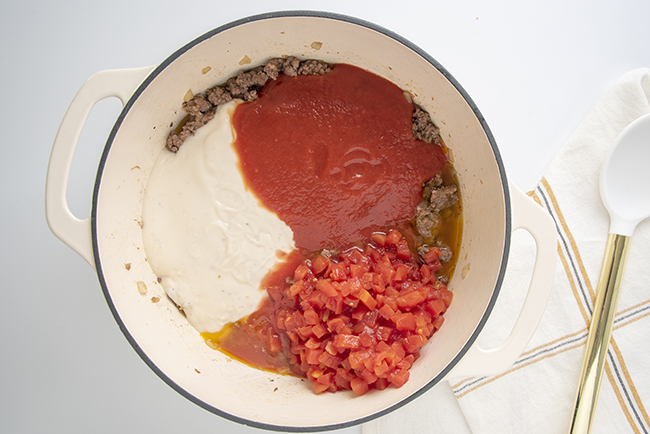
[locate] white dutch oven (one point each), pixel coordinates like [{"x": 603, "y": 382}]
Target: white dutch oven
[{"x": 111, "y": 237}]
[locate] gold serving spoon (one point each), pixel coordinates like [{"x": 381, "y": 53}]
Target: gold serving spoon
[{"x": 625, "y": 191}]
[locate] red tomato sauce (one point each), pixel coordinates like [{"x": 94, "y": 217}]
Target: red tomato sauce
[{"x": 334, "y": 155}]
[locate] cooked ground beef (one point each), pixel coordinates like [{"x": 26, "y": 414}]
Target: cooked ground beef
[
  {"x": 313, "y": 67},
  {"x": 197, "y": 105},
  {"x": 290, "y": 66},
  {"x": 436, "y": 197},
  {"x": 425, "y": 219},
  {"x": 246, "y": 83},
  {"x": 443, "y": 197},
  {"x": 423, "y": 127},
  {"x": 274, "y": 68},
  {"x": 218, "y": 95}
]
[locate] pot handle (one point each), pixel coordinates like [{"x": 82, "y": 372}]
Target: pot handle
[
  {"x": 75, "y": 232},
  {"x": 527, "y": 215}
]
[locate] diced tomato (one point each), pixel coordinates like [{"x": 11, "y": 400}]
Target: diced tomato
[
  {"x": 338, "y": 272},
  {"x": 311, "y": 317},
  {"x": 437, "y": 321},
  {"x": 403, "y": 250},
  {"x": 335, "y": 304},
  {"x": 359, "y": 312},
  {"x": 371, "y": 318},
  {"x": 431, "y": 256},
  {"x": 382, "y": 346},
  {"x": 358, "y": 270},
  {"x": 312, "y": 355},
  {"x": 355, "y": 286},
  {"x": 367, "y": 299},
  {"x": 412, "y": 298},
  {"x": 325, "y": 286},
  {"x": 436, "y": 266},
  {"x": 274, "y": 341},
  {"x": 341, "y": 382},
  {"x": 401, "y": 272},
  {"x": 393, "y": 292},
  {"x": 446, "y": 295},
  {"x": 296, "y": 288},
  {"x": 359, "y": 386},
  {"x": 351, "y": 302},
  {"x": 300, "y": 273},
  {"x": 357, "y": 358},
  {"x": 320, "y": 264},
  {"x": 383, "y": 333},
  {"x": 319, "y": 330},
  {"x": 313, "y": 373},
  {"x": 436, "y": 307},
  {"x": 386, "y": 311},
  {"x": 290, "y": 323},
  {"x": 312, "y": 343},
  {"x": 367, "y": 280},
  {"x": 366, "y": 339},
  {"x": 326, "y": 378},
  {"x": 413, "y": 343},
  {"x": 404, "y": 321},
  {"x": 347, "y": 341},
  {"x": 399, "y": 350},
  {"x": 381, "y": 383},
  {"x": 367, "y": 375},
  {"x": 329, "y": 360},
  {"x": 319, "y": 387},
  {"x": 316, "y": 300},
  {"x": 385, "y": 268},
  {"x": 399, "y": 377},
  {"x": 342, "y": 287},
  {"x": 305, "y": 332},
  {"x": 379, "y": 239},
  {"x": 356, "y": 257},
  {"x": 393, "y": 237},
  {"x": 426, "y": 272},
  {"x": 338, "y": 325},
  {"x": 378, "y": 283},
  {"x": 406, "y": 362}
]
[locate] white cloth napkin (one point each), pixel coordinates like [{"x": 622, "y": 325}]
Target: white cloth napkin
[{"x": 537, "y": 394}]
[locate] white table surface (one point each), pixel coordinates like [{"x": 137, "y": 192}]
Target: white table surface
[{"x": 533, "y": 68}]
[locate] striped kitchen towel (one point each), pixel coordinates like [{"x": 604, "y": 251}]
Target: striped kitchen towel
[{"x": 536, "y": 395}]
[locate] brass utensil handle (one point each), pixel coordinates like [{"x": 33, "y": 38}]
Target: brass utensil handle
[{"x": 600, "y": 332}]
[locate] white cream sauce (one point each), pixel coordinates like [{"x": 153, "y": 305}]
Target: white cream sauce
[{"x": 207, "y": 237}]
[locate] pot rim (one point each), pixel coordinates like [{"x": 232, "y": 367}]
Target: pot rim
[{"x": 309, "y": 14}]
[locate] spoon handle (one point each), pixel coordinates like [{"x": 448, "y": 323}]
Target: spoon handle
[{"x": 600, "y": 332}]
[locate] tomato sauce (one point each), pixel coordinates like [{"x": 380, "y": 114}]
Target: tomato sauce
[{"x": 334, "y": 155}]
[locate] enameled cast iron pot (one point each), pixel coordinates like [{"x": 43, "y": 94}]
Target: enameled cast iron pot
[{"x": 112, "y": 236}]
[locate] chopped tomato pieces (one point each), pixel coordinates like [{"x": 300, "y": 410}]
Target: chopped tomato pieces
[
  {"x": 357, "y": 320},
  {"x": 359, "y": 386}
]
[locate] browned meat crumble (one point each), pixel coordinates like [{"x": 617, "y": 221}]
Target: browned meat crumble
[{"x": 436, "y": 197}]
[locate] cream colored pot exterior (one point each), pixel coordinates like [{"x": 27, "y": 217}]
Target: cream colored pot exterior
[{"x": 111, "y": 238}]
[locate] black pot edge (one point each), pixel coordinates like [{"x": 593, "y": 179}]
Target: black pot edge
[{"x": 135, "y": 96}]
